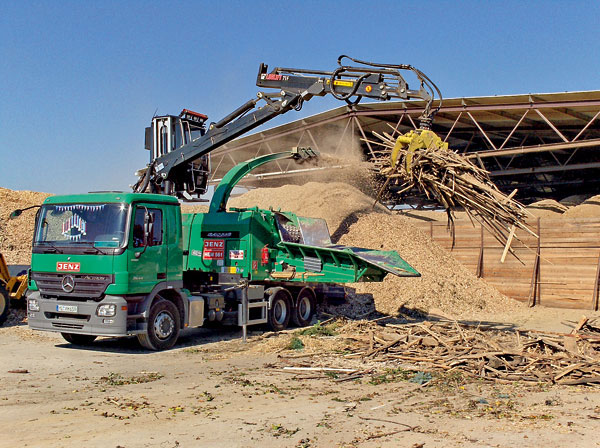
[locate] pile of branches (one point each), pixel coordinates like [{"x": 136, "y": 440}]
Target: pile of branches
[
  {"x": 452, "y": 181},
  {"x": 496, "y": 355}
]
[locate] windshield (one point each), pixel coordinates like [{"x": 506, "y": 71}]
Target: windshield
[{"x": 101, "y": 225}]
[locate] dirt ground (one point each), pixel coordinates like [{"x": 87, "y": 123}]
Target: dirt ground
[{"x": 213, "y": 390}]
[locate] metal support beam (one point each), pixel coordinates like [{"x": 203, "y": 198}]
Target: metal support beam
[
  {"x": 533, "y": 149},
  {"x": 452, "y": 128},
  {"x": 482, "y": 131},
  {"x": 587, "y": 126},
  {"x": 514, "y": 129},
  {"x": 545, "y": 169},
  {"x": 565, "y": 139},
  {"x": 364, "y": 137},
  {"x": 487, "y": 107}
]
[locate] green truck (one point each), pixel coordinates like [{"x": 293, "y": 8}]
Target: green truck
[{"x": 118, "y": 264}]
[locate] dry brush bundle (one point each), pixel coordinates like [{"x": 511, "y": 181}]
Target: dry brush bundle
[{"x": 421, "y": 160}]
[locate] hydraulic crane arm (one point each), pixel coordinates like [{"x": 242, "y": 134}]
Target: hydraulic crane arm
[{"x": 174, "y": 170}]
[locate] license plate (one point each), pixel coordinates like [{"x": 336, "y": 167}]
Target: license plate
[{"x": 67, "y": 308}]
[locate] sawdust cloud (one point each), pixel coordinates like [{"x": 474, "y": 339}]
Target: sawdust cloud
[{"x": 341, "y": 159}]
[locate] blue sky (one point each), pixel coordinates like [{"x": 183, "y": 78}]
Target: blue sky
[{"x": 80, "y": 80}]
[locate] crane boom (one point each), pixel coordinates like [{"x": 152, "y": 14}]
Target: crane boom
[{"x": 179, "y": 164}]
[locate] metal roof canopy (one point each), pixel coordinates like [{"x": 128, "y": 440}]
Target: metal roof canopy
[{"x": 546, "y": 144}]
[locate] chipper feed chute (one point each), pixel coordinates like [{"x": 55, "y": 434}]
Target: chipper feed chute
[
  {"x": 386, "y": 260},
  {"x": 338, "y": 264}
]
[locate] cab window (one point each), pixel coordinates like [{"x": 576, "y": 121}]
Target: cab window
[{"x": 155, "y": 238}]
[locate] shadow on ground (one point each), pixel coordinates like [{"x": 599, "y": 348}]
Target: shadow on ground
[{"x": 192, "y": 337}]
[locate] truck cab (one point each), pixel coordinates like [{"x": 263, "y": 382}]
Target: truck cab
[{"x": 98, "y": 259}]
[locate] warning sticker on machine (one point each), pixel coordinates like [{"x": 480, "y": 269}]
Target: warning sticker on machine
[
  {"x": 236, "y": 254},
  {"x": 340, "y": 82},
  {"x": 214, "y": 250}
]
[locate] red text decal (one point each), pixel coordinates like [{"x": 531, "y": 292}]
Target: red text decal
[
  {"x": 214, "y": 250},
  {"x": 67, "y": 267}
]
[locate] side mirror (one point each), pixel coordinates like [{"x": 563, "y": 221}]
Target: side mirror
[
  {"x": 15, "y": 214},
  {"x": 148, "y": 228}
]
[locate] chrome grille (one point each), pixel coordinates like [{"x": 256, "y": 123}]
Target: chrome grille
[{"x": 87, "y": 286}]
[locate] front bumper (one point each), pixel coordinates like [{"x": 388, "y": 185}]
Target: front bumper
[{"x": 82, "y": 321}]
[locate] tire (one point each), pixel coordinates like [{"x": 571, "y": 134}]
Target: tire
[
  {"x": 78, "y": 339},
  {"x": 305, "y": 307},
  {"x": 163, "y": 326},
  {"x": 280, "y": 310},
  {"x": 4, "y": 305}
]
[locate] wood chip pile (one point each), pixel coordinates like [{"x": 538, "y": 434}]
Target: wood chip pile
[
  {"x": 451, "y": 180},
  {"x": 590, "y": 208},
  {"x": 16, "y": 234},
  {"x": 490, "y": 354},
  {"x": 547, "y": 208},
  {"x": 444, "y": 284},
  {"x": 336, "y": 202},
  {"x": 567, "y": 208}
]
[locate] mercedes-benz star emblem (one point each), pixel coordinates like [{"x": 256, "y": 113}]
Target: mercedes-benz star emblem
[{"x": 68, "y": 283}]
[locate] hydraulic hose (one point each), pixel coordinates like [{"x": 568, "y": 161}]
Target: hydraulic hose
[
  {"x": 347, "y": 96},
  {"x": 433, "y": 88},
  {"x": 145, "y": 180}
]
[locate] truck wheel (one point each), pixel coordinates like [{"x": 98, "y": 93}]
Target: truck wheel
[
  {"x": 305, "y": 307},
  {"x": 4, "y": 305},
  {"x": 281, "y": 308},
  {"x": 163, "y": 326},
  {"x": 78, "y": 339}
]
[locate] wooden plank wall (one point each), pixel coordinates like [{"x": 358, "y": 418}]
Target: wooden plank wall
[{"x": 569, "y": 255}]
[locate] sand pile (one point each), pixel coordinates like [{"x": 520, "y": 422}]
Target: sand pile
[
  {"x": 445, "y": 283},
  {"x": 547, "y": 208},
  {"x": 16, "y": 234},
  {"x": 590, "y": 208}
]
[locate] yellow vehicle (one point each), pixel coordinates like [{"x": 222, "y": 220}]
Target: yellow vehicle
[{"x": 12, "y": 287}]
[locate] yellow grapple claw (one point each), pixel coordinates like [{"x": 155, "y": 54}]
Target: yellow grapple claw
[{"x": 413, "y": 141}]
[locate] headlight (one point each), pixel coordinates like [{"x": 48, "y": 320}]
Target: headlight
[
  {"x": 106, "y": 310},
  {"x": 33, "y": 305}
]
